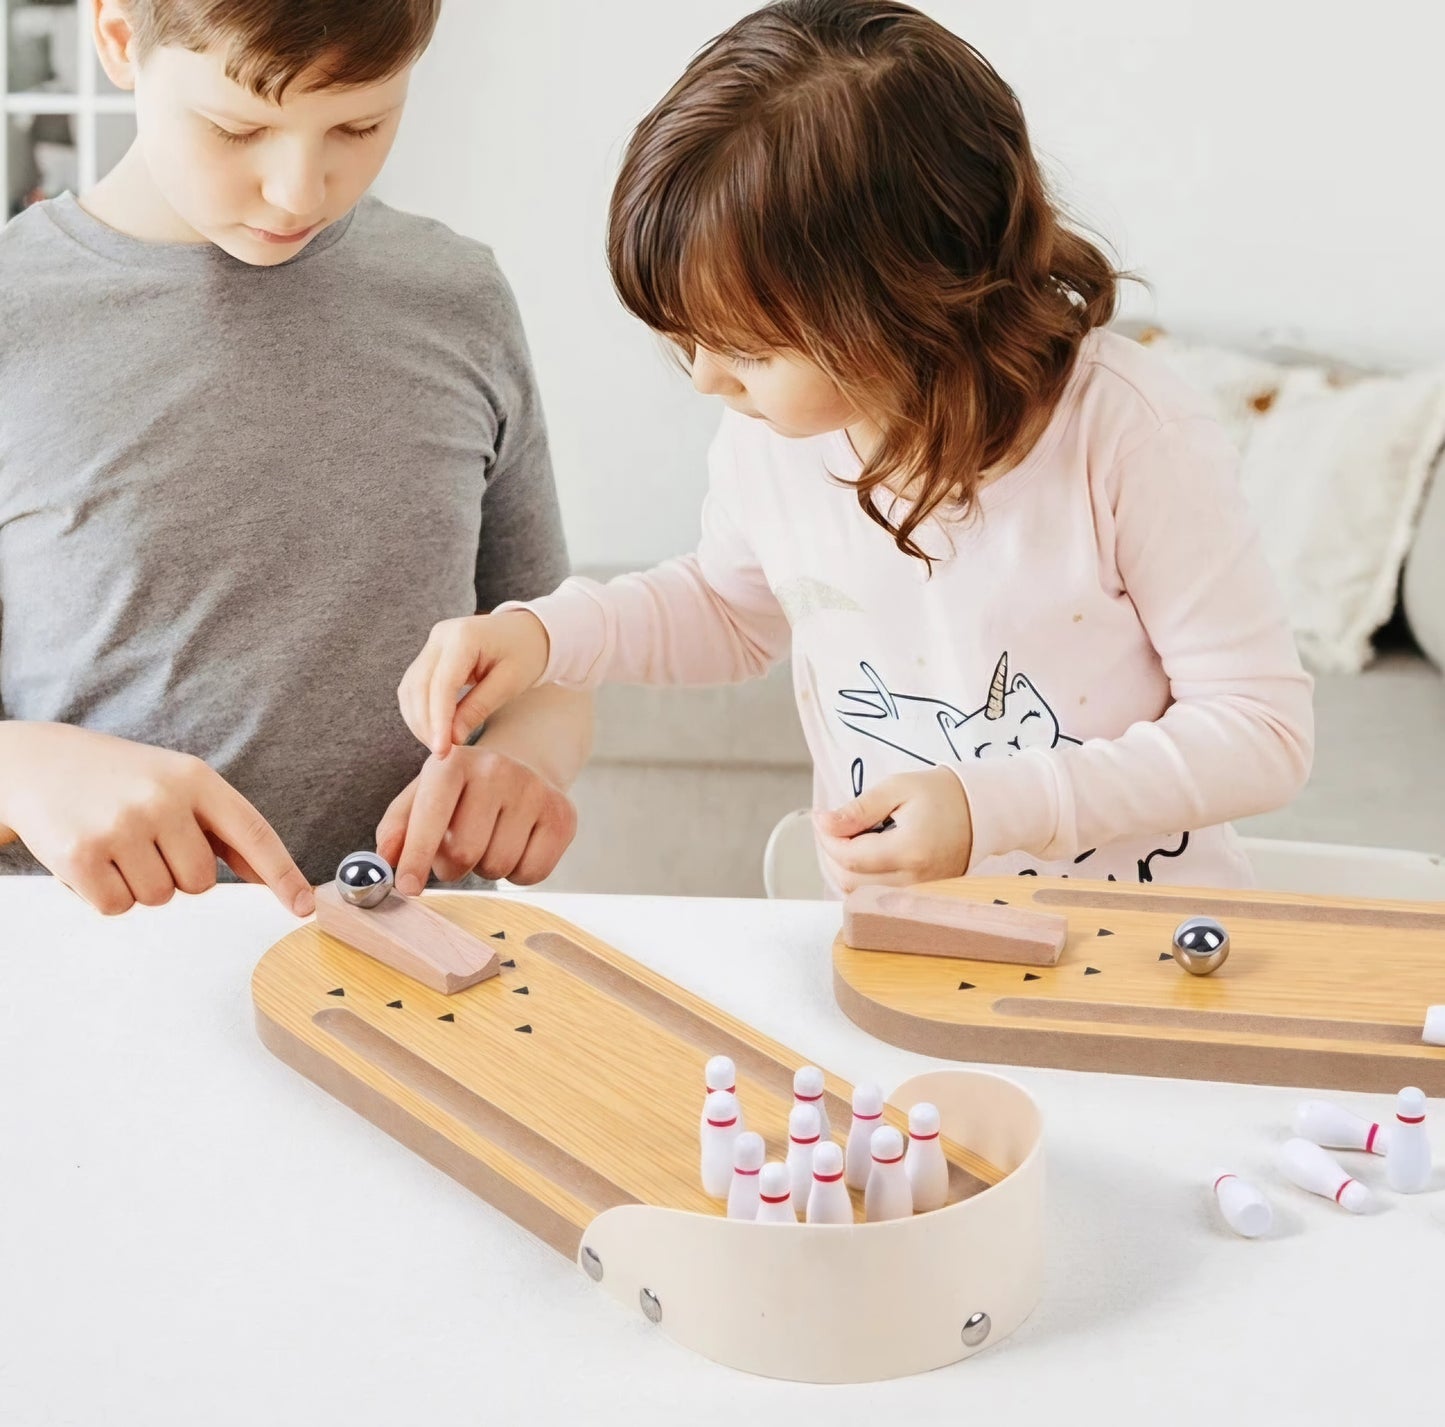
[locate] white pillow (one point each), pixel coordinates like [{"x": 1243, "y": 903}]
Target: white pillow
[{"x": 1335, "y": 466}]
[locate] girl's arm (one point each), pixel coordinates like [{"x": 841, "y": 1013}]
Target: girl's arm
[
  {"x": 707, "y": 618},
  {"x": 1238, "y": 737}
]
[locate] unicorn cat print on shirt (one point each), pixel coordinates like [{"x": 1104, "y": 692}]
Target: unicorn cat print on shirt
[{"x": 1015, "y": 716}]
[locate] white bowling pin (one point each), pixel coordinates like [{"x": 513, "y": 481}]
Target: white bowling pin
[
  {"x": 924, "y": 1163},
  {"x": 1407, "y": 1166},
  {"x": 720, "y": 1074},
  {"x": 802, "y": 1141},
  {"x": 775, "y": 1194},
  {"x": 828, "y": 1201},
  {"x": 867, "y": 1115},
  {"x": 1336, "y": 1128},
  {"x": 1245, "y": 1209},
  {"x": 719, "y": 1130},
  {"x": 1304, "y": 1163},
  {"x": 889, "y": 1194},
  {"x": 748, "y": 1155},
  {"x": 808, "y": 1090},
  {"x": 1434, "y": 1031}
]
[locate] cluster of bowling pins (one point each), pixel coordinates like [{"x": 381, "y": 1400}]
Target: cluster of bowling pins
[
  {"x": 812, "y": 1183},
  {"x": 1319, "y": 1127}
]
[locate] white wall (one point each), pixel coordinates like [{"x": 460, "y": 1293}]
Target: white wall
[{"x": 1273, "y": 174}]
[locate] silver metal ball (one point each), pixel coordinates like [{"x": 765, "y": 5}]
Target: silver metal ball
[
  {"x": 364, "y": 879},
  {"x": 1201, "y": 945}
]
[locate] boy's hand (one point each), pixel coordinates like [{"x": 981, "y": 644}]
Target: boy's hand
[
  {"x": 121, "y": 822},
  {"x": 477, "y": 811},
  {"x": 499, "y": 655},
  {"x": 932, "y": 837}
]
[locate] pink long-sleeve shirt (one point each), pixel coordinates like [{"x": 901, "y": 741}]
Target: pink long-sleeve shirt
[{"x": 1100, "y": 654}]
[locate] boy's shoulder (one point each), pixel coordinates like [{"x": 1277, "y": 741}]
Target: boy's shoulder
[{"x": 423, "y": 254}]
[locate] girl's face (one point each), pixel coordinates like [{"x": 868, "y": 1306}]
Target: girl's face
[{"x": 788, "y": 392}]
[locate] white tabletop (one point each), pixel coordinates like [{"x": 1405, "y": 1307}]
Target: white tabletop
[{"x": 192, "y": 1234}]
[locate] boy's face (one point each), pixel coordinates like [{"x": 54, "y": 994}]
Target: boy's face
[
  {"x": 792, "y": 395},
  {"x": 255, "y": 178}
]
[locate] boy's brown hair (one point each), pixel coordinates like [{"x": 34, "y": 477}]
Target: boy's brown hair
[
  {"x": 848, "y": 180},
  {"x": 270, "y": 44}
]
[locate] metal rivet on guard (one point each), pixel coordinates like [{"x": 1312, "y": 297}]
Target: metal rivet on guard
[
  {"x": 976, "y": 1329},
  {"x": 591, "y": 1264},
  {"x": 651, "y": 1308}
]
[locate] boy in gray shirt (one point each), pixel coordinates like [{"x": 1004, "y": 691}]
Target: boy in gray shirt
[{"x": 258, "y": 434}]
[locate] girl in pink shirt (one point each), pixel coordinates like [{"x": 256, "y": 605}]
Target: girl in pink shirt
[{"x": 1031, "y": 627}]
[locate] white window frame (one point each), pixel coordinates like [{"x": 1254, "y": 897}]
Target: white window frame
[{"x": 84, "y": 108}]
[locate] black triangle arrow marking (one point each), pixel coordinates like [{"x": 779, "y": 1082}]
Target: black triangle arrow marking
[
  {"x": 338, "y": 992},
  {"x": 1091, "y": 971},
  {"x": 1166, "y": 956},
  {"x": 525, "y": 1030},
  {"x": 394, "y": 1005},
  {"x": 450, "y": 1016},
  {"x": 1029, "y": 976},
  {"x": 499, "y": 936},
  {"x": 999, "y": 902},
  {"x": 966, "y": 986},
  {"x": 1104, "y": 931},
  {"x": 512, "y": 964},
  {"x": 520, "y": 991}
]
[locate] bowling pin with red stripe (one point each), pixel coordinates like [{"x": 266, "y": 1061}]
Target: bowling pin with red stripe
[
  {"x": 808, "y": 1090},
  {"x": 1407, "y": 1165},
  {"x": 924, "y": 1163},
  {"x": 867, "y": 1116}
]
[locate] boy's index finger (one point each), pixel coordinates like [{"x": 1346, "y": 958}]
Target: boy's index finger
[
  {"x": 438, "y": 790},
  {"x": 239, "y": 825}
]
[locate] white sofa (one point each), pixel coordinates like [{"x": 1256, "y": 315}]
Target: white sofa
[{"x": 685, "y": 785}]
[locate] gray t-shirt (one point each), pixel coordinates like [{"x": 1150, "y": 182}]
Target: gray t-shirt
[{"x": 234, "y": 500}]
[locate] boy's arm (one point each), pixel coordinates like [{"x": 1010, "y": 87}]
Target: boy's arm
[{"x": 1238, "y": 736}]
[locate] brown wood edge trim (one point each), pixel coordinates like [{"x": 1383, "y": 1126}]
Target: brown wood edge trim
[
  {"x": 552, "y": 1227},
  {"x": 1384, "y": 918},
  {"x": 1132, "y": 1055}
]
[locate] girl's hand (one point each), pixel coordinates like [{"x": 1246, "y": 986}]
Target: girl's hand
[
  {"x": 121, "y": 822},
  {"x": 475, "y": 811},
  {"x": 499, "y": 655},
  {"x": 932, "y": 836}
]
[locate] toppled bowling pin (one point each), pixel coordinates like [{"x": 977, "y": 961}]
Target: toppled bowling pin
[
  {"x": 802, "y": 1141},
  {"x": 719, "y": 1130},
  {"x": 867, "y": 1113},
  {"x": 1434, "y": 1032},
  {"x": 775, "y": 1194},
  {"x": 720, "y": 1074},
  {"x": 748, "y": 1155},
  {"x": 1336, "y": 1128},
  {"x": 1304, "y": 1163},
  {"x": 828, "y": 1201},
  {"x": 1407, "y": 1165},
  {"x": 924, "y": 1163},
  {"x": 808, "y": 1090},
  {"x": 1245, "y": 1209},
  {"x": 888, "y": 1195}
]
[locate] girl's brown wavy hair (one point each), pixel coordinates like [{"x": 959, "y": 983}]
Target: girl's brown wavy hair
[{"x": 850, "y": 181}]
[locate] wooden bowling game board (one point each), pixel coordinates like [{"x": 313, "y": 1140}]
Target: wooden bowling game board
[
  {"x": 566, "y": 1092},
  {"x": 1316, "y": 991}
]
